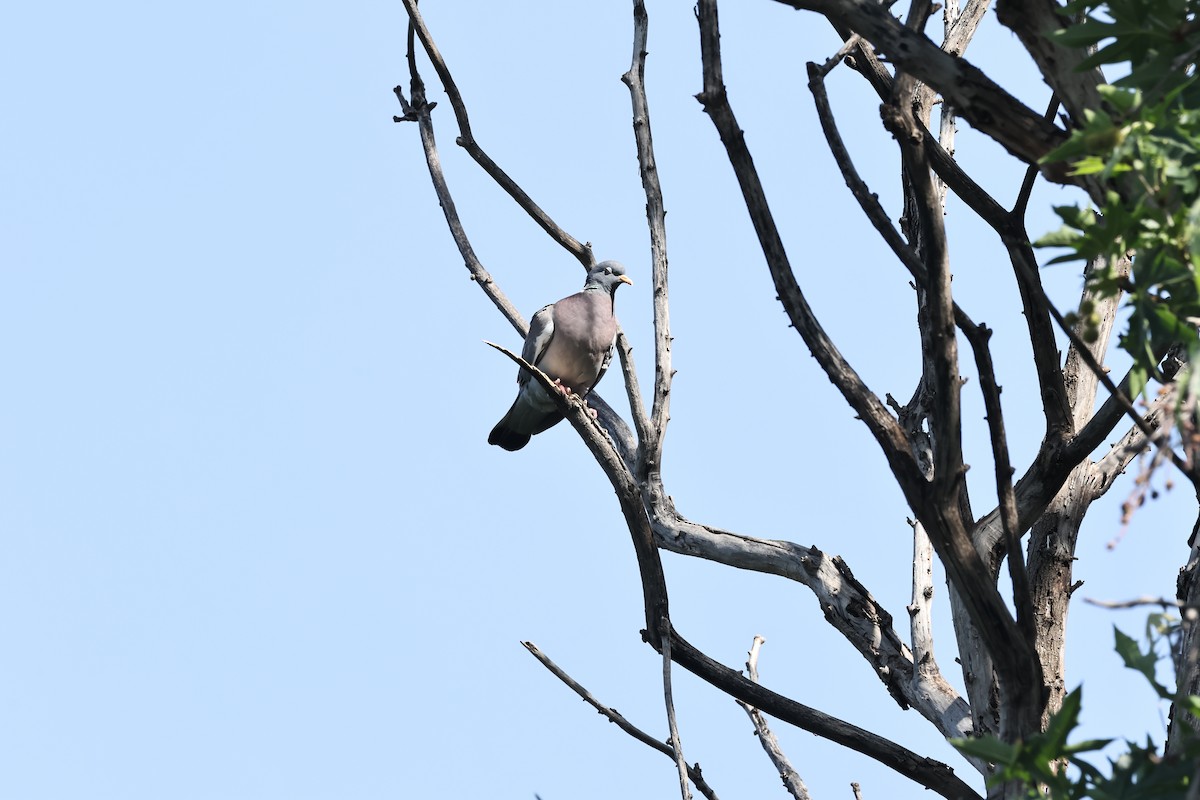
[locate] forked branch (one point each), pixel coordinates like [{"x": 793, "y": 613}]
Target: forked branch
[
  {"x": 869, "y": 407},
  {"x": 977, "y": 98},
  {"x": 466, "y": 140},
  {"x": 787, "y": 773},
  {"x": 693, "y": 772},
  {"x": 635, "y": 79}
]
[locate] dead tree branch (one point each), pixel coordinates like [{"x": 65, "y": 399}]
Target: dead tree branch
[
  {"x": 1004, "y": 487},
  {"x": 928, "y": 772},
  {"x": 582, "y": 252},
  {"x": 635, "y": 79},
  {"x": 419, "y": 110},
  {"x": 787, "y": 773},
  {"x": 866, "y": 404},
  {"x": 1034, "y": 22},
  {"x": 693, "y": 772},
  {"x": 668, "y": 697},
  {"x": 845, "y": 603},
  {"x": 941, "y": 507},
  {"x": 933, "y": 775},
  {"x": 978, "y": 99}
]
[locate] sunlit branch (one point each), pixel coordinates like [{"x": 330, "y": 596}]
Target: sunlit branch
[
  {"x": 418, "y": 110},
  {"x": 635, "y": 79},
  {"x": 668, "y": 698},
  {"x": 583, "y": 252},
  {"x": 845, "y": 603}
]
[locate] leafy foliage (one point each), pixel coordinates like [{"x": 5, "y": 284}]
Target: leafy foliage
[
  {"x": 1050, "y": 767},
  {"x": 1144, "y": 149}
]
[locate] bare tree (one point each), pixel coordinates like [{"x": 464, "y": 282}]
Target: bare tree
[{"x": 1012, "y": 663}]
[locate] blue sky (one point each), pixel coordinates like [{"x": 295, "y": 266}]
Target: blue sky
[{"x": 255, "y": 544}]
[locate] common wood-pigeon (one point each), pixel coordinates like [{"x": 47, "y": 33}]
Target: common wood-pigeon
[{"x": 572, "y": 342}]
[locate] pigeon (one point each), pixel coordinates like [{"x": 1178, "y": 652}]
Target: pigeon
[{"x": 572, "y": 342}]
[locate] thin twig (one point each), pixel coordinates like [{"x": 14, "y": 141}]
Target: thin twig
[
  {"x": 633, "y": 391},
  {"x": 1055, "y": 402},
  {"x": 1085, "y": 353},
  {"x": 1022, "y": 598},
  {"x": 1137, "y": 602},
  {"x": 867, "y": 64},
  {"x": 685, "y": 791},
  {"x": 1134, "y": 442},
  {"x": 419, "y": 109},
  {"x": 867, "y": 405},
  {"x": 1055, "y": 460},
  {"x": 635, "y": 79},
  {"x": 867, "y": 200},
  {"x": 983, "y": 103},
  {"x": 932, "y": 774},
  {"x": 583, "y": 252},
  {"x": 854, "y": 787},
  {"x": 854, "y": 41},
  {"x": 1056, "y": 406},
  {"x": 620, "y": 721},
  {"x": 787, "y": 774},
  {"x": 1031, "y": 173}
]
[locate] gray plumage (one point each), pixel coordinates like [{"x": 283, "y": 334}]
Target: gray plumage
[{"x": 572, "y": 342}]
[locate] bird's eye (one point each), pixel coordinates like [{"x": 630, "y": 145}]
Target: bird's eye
[{"x": 608, "y": 271}]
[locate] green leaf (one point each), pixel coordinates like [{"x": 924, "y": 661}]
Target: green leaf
[
  {"x": 1119, "y": 98},
  {"x": 1072, "y": 148},
  {"x": 1135, "y": 659},
  {"x": 1138, "y": 377},
  {"x": 1066, "y": 258},
  {"x": 1054, "y": 740},
  {"x": 1063, "y": 237},
  {"x": 1192, "y": 233},
  {"x": 1086, "y": 746},
  {"x": 1080, "y": 218},
  {"x": 987, "y": 748},
  {"x": 1089, "y": 165},
  {"x": 1085, "y": 34}
]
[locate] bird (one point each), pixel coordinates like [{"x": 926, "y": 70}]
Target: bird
[{"x": 572, "y": 342}]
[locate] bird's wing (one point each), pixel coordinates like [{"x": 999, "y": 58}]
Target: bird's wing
[
  {"x": 541, "y": 331},
  {"x": 608, "y": 357}
]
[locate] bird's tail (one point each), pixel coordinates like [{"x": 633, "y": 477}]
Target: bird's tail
[
  {"x": 505, "y": 436},
  {"x": 527, "y": 417}
]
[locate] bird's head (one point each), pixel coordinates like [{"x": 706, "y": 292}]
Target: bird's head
[{"x": 607, "y": 275}]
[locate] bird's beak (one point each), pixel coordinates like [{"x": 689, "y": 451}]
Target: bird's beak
[{"x": 624, "y": 279}]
